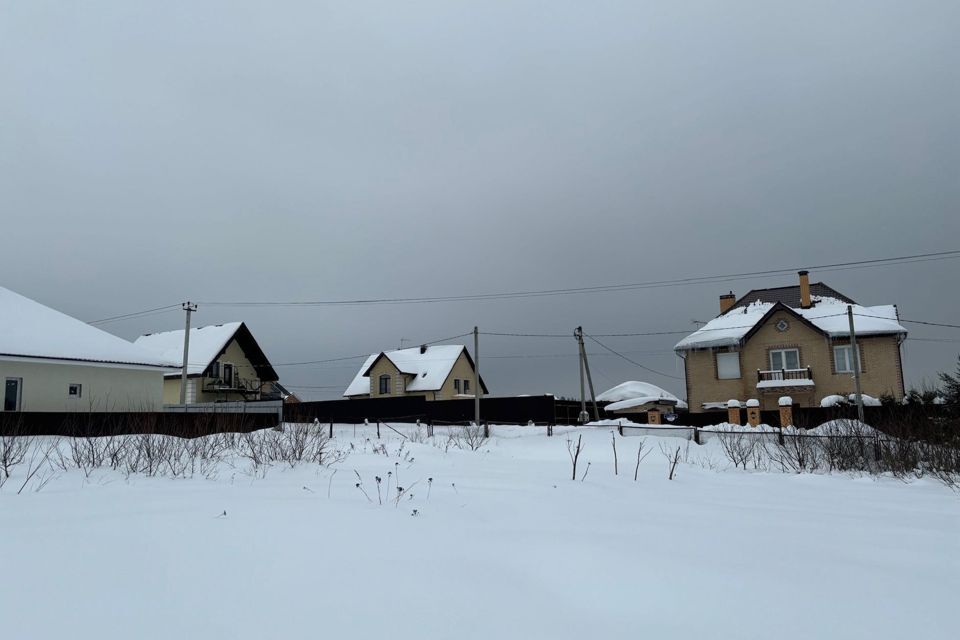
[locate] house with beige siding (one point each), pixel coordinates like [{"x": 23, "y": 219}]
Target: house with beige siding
[
  {"x": 437, "y": 372},
  {"x": 51, "y": 362},
  {"x": 792, "y": 341},
  {"x": 226, "y": 364}
]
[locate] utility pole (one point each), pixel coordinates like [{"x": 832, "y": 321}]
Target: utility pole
[
  {"x": 584, "y": 416},
  {"x": 586, "y": 367},
  {"x": 477, "y": 389},
  {"x": 855, "y": 355},
  {"x": 189, "y": 308}
]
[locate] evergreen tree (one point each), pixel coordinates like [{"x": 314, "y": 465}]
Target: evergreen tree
[{"x": 951, "y": 385}]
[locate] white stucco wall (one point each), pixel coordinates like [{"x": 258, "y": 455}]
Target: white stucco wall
[{"x": 104, "y": 388}]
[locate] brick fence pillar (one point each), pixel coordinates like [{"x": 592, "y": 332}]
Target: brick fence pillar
[
  {"x": 733, "y": 412},
  {"x": 753, "y": 412},
  {"x": 786, "y": 411}
]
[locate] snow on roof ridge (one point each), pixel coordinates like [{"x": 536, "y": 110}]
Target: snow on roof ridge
[
  {"x": 33, "y": 330},
  {"x": 206, "y": 343},
  {"x": 430, "y": 369},
  {"x": 729, "y": 328}
]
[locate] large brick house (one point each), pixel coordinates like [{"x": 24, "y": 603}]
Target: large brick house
[{"x": 791, "y": 341}]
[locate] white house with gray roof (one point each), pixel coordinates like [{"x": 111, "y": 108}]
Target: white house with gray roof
[{"x": 52, "y": 362}]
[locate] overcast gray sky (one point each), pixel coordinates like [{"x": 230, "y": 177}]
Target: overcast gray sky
[{"x": 152, "y": 152}]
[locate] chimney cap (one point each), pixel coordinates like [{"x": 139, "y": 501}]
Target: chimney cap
[
  {"x": 727, "y": 295},
  {"x": 423, "y": 348},
  {"x": 803, "y": 272}
]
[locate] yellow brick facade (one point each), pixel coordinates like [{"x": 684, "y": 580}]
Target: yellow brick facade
[
  {"x": 461, "y": 370},
  {"x": 880, "y": 356},
  {"x": 232, "y": 354}
]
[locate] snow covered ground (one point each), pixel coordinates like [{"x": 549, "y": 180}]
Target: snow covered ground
[{"x": 503, "y": 545}]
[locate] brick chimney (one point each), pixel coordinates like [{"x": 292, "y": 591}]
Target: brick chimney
[
  {"x": 804, "y": 289},
  {"x": 726, "y": 301},
  {"x": 423, "y": 348}
]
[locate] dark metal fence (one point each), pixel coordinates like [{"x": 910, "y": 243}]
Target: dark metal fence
[
  {"x": 97, "y": 424},
  {"x": 509, "y": 410}
]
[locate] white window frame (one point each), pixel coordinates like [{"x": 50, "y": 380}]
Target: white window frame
[
  {"x": 783, "y": 359},
  {"x": 847, "y": 351},
  {"x": 729, "y": 356}
]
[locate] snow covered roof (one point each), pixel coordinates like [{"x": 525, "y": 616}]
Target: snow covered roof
[
  {"x": 634, "y": 393},
  {"x": 429, "y": 368},
  {"x": 206, "y": 343},
  {"x": 828, "y": 315},
  {"x": 31, "y": 330}
]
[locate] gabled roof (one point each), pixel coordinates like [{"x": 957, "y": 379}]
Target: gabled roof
[
  {"x": 206, "y": 345},
  {"x": 828, "y": 316},
  {"x": 789, "y": 296},
  {"x": 29, "y": 329},
  {"x": 429, "y": 369}
]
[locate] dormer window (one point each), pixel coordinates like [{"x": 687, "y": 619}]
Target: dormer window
[{"x": 384, "y": 385}]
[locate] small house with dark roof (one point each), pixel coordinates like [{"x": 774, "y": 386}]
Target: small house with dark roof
[
  {"x": 792, "y": 341},
  {"x": 226, "y": 364}
]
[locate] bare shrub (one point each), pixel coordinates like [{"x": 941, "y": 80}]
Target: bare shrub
[
  {"x": 471, "y": 436},
  {"x": 574, "y": 452},
  {"x": 13, "y": 449},
  {"x": 739, "y": 446}
]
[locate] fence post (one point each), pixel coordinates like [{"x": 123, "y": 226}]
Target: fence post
[
  {"x": 620, "y": 427},
  {"x": 331, "y": 428},
  {"x": 378, "y": 428},
  {"x": 696, "y": 435}
]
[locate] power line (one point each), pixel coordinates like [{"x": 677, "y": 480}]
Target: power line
[
  {"x": 634, "y": 362},
  {"x": 134, "y": 314},
  {"x": 941, "y": 255}
]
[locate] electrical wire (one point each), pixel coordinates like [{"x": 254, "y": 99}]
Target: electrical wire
[
  {"x": 634, "y": 362},
  {"x": 941, "y": 255}
]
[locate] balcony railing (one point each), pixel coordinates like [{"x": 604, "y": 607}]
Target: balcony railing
[
  {"x": 244, "y": 386},
  {"x": 784, "y": 375}
]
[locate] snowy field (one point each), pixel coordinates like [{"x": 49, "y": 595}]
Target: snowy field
[{"x": 499, "y": 544}]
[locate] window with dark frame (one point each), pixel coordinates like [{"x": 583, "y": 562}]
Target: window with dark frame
[
  {"x": 12, "y": 392},
  {"x": 456, "y": 385},
  {"x": 74, "y": 390},
  {"x": 384, "y": 385},
  {"x": 466, "y": 386}
]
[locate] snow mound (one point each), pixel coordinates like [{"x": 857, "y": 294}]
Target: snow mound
[
  {"x": 845, "y": 428},
  {"x": 837, "y": 400},
  {"x": 633, "y": 389}
]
